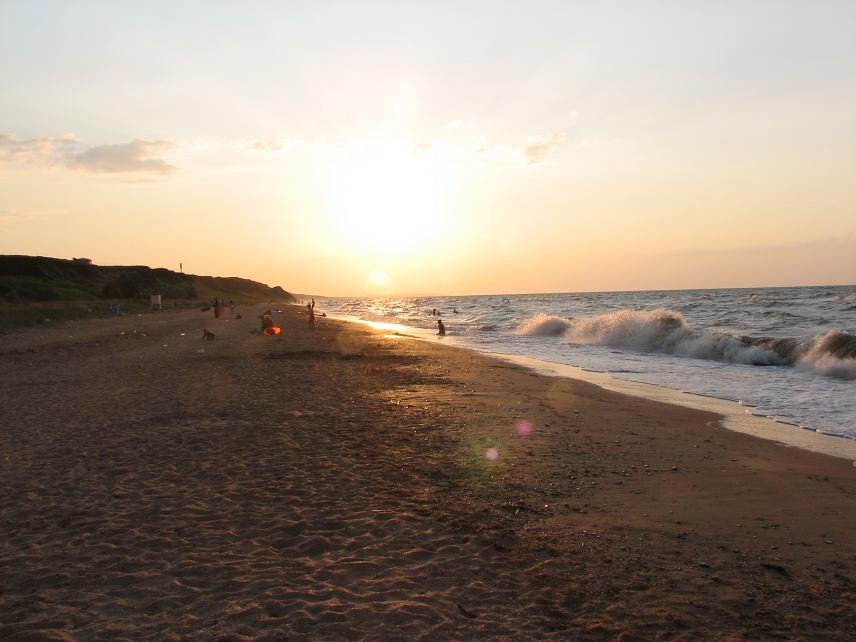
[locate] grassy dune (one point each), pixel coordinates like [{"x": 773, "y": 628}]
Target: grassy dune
[{"x": 37, "y": 290}]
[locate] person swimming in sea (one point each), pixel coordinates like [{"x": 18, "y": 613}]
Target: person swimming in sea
[{"x": 441, "y": 329}]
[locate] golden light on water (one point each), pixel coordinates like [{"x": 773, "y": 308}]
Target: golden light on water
[{"x": 380, "y": 325}]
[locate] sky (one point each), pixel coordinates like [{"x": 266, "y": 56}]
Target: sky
[{"x": 371, "y": 148}]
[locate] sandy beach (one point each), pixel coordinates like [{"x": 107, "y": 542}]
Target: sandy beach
[{"x": 351, "y": 484}]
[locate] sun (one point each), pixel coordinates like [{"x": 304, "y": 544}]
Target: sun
[
  {"x": 378, "y": 278},
  {"x": 388, "y": 198}
]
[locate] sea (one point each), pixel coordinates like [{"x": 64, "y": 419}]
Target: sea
[{"x": 783, "y": 353}]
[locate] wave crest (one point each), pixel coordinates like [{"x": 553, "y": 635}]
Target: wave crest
[
  {"x": 667, "y": 331},
  {"x": 481, "y": 327},
  {"x": 832, "y": 354},
  {"x": 544, "y": 325}
]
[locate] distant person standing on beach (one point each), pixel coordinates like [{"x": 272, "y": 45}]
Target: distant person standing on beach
[
  {"x": 311, "y": 308},
  {"x": 441, "y": 329},
  {"x": 267, "y": 321},
  {"x": 216, "y": 306}
]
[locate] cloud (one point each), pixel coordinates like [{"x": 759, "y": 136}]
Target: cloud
[
  {"x": 136, "y": 156},
  {"x": 540, "y": 147},
  {"x": 266, "y": 145},
  {"x": 528, "y": 151},
  {"x": 37, "y": 151}
]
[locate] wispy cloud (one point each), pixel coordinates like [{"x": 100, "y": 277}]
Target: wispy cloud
[
  {"x": 539, "y": 148},
  {"x": 151, "y": 160},
  {"x": 136, "y": 156},
  {"x": 528, "y": 151},
  {"x": 267, "y": 145},
  {"x": 42, "y": 151}
]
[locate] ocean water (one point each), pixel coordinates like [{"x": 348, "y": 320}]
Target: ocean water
[{"x": 787, "y": 353}]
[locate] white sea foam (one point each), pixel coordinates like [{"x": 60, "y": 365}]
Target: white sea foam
[
  {"x": 832, "y": 354},
  {"x": 544, "y": 325},
  {"x": 667, "y": 331},
  {"x": 830, "y": 366}
]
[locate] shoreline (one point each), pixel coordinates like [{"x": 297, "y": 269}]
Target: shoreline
[
  {"x": 349, "y": 483},
  {"x": 735, "y": 416}
]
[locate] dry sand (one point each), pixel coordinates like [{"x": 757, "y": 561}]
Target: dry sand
[{"x": 346, "y": 484}]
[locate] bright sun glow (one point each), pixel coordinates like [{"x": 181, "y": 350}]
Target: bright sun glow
[
  {"x": 379, "y": 278},
  {"x": 389, "y": 198}
]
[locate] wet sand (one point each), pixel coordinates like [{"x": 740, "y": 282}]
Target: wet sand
[{"x": 351, "y": 484}]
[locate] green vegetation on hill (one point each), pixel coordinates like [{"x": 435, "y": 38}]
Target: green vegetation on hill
[{"x": 36, "y": 289}]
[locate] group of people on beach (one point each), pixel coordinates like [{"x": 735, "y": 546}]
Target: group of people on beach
[
  {"x": 219, "y": 306},
  {"x": 441, "y": 329},
  {"x": 268, "y": 327}
]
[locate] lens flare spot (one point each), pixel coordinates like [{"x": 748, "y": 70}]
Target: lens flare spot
[
  {"x": 492, "y": 454},
  {"x": 523, "y": 428},
  {"x": 350, "y": 343}
]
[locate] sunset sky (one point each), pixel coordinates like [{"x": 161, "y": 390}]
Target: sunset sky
[{"x": 435, "y": 148}]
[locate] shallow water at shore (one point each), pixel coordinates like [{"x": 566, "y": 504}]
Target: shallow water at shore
[{"x": 787, "y": 353}]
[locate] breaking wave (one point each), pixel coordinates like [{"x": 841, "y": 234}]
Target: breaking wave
[
  {"x": 667, "y": 331},
  {"x": 481, "y": 327},
  {"x": 544, "y": 325},
  {"x": 832, "y": 354}
]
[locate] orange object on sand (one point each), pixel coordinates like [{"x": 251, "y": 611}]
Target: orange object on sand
[{"x": 272, "y": 330}]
